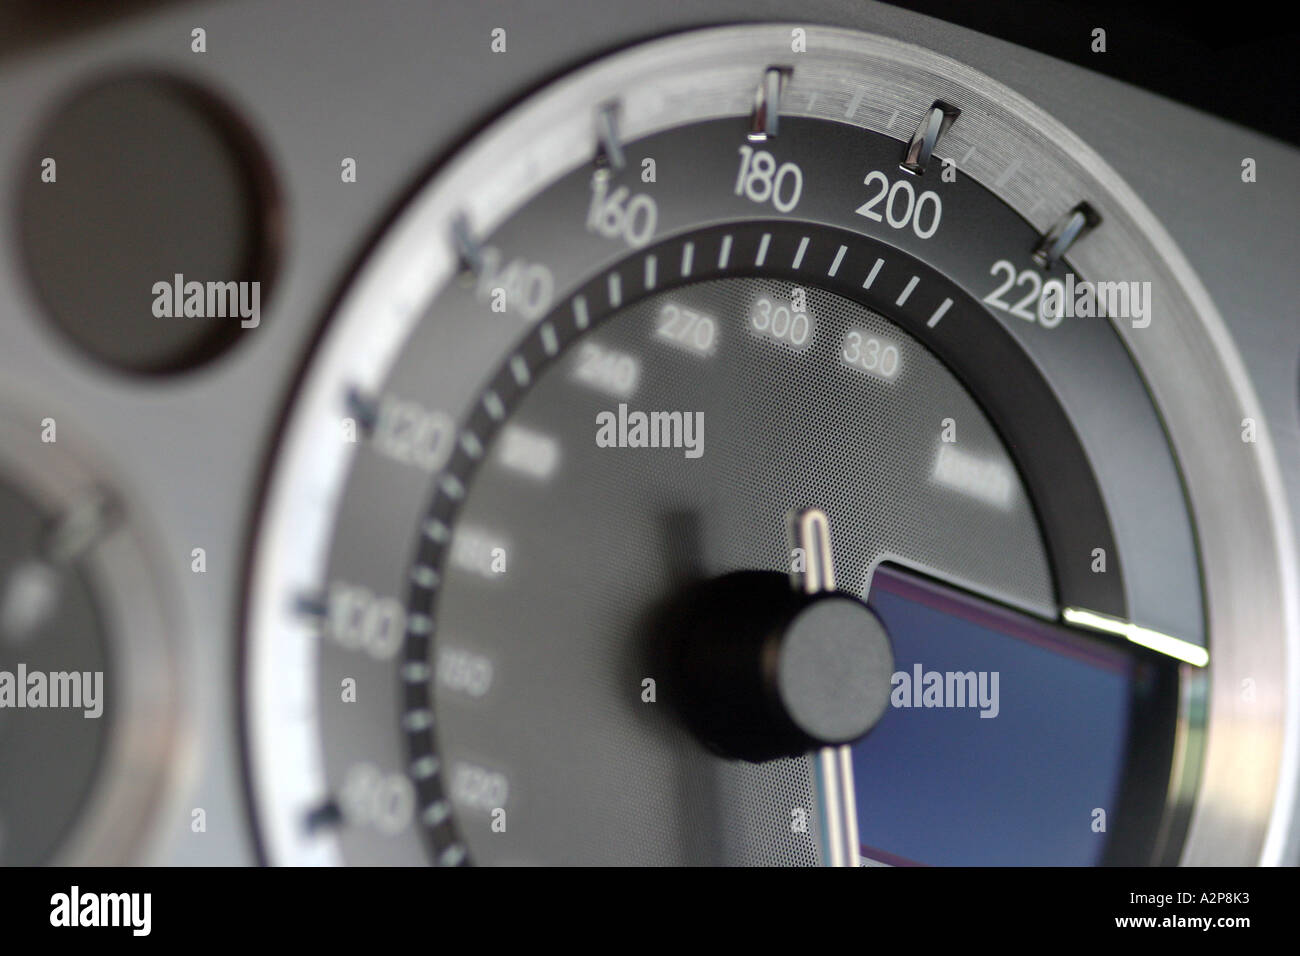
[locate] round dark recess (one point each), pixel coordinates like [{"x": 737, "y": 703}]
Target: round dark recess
[{"x": 150, "y": 179}]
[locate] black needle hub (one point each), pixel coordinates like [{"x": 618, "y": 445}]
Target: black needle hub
[{"x": 768, "y": 672}]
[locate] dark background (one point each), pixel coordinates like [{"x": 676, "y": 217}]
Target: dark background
[{"x": 1240, "y": 61}]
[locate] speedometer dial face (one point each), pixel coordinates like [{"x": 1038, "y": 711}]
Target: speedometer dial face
[{"x": 719, "y": 463}]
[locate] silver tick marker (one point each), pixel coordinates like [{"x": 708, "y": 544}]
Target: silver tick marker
[
  {"x": 1065, "y": 233},
  {"x": 933, "y": 125},
  {"x": 763, "y": 123},
  {"x": 609, "y": 148}
]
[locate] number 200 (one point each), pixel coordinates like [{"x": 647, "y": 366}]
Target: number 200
[{"x": 902, "y": 205}]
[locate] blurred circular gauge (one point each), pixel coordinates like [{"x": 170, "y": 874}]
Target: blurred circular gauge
[{"x": 86, "y": 672}]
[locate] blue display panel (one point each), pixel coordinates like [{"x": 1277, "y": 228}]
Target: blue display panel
[{"x": 1004, "y": 736}]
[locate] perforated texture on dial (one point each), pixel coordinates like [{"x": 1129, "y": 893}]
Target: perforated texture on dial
[{"x": 597, "y": 774}]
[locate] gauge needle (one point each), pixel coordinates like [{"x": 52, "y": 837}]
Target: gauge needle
[{"x": 834, "y": 765}]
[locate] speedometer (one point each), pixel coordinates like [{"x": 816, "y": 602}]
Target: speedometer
[{"x": 759, "y": 447}]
